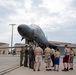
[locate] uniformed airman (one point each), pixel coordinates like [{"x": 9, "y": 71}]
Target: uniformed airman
[
  {"x": 21, "y": 56},
  {"x": 26, "y": 56},
  {"x": 31, "y": 57}
]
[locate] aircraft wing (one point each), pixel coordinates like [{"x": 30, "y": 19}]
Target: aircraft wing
[{"x": 12, "y": 47}]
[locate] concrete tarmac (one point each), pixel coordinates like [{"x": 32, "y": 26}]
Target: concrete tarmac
[
  {"x": 26, "y": 71},
  {"x": 8, "y": 61}
]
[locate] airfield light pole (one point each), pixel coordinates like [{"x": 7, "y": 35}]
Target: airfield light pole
[{"x": 12, "y": 36}]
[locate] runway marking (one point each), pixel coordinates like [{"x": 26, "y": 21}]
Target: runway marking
[{"x": 10, "y": 69}]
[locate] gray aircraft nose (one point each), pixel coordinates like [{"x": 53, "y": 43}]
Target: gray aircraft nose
[
  {"x": 24, "y": 29},
  {"x": 21, "y": 27}
]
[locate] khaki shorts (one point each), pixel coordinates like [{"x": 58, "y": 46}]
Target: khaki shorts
[
  {"x": 38, "y": 58},
  {"x": 71, "y": 59},
  {"x": 47, "y": 60}
]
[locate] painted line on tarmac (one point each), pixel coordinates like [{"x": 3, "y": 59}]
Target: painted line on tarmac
[{"x": 10, "y": 69}]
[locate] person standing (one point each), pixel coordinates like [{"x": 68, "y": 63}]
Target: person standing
[
  {"x": 56, "y": 60},
  {"x": 26, "y": 57},
  {"x": 72, "y": 54},
  {"x": 52, "y": 56},
  {"x": 21, "y": 56},
  {"x": 66, "y": 59},
  {"x": 48, "y": 54},
  {"x": 38, "y": 57},
  {"x": 31, "y": 57}
]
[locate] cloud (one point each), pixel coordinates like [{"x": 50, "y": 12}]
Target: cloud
[{"x": 55, "y": 17}]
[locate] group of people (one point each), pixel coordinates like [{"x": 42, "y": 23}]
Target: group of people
[
  {"x": 27, "y": 52},
  {"x": 35, "y": 57},
  {"x": 68, "y": 58},
  {"x": 54, "y": 55}
]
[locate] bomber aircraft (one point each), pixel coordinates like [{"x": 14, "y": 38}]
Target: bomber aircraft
[{"x": 34, "y": 33}]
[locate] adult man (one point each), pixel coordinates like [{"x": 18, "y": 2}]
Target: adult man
[
  {"x": 38, "y": 57},
  {"x": 26, "y": 57},
  {"x": 48, "y": 54},
  {"x": 31, "y": 57},
  {"x": 52, "y": 56},
  {"x": 66, "y": 59},
  {"x": 21, "y": 56},
  {"x": 72, "y": 54}
]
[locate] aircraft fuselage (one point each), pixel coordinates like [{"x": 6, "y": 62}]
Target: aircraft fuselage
[{"x": 33, "y": 32}]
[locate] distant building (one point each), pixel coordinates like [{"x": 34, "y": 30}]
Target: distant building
[{"x": 4, "y": 51}]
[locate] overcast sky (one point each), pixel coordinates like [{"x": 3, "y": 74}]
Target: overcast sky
[{"x": 57, "y": 18}]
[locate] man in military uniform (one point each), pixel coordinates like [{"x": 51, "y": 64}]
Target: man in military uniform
[
  {"x": 26, "y": 56},
  {"x": 52, "y": 56},
  {"x": 31, "y": 57},
  {"x": 21, "y": 56}
]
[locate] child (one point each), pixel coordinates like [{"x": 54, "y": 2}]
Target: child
[{"x": 57, "y": 60}]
